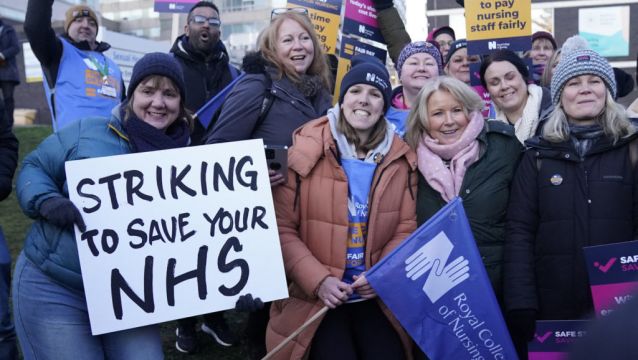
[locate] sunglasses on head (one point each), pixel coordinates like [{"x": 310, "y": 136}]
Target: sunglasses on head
[
  {"x": 276, "y": 12},
  {"x": 199, "y": 19},
  {"x": 80, "y": 13}
]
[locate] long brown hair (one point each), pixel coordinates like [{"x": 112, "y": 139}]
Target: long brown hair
[
  {"x": 268, "y": 48},
  {"x": 155, "y": 82},
  {"x": 376, "y": 136}
]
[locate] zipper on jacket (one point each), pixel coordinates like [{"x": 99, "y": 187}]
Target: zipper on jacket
[{"x": 303, "y": 102}]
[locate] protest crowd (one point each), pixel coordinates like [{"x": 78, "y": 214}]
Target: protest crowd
[{"x": 543, "y": 168}]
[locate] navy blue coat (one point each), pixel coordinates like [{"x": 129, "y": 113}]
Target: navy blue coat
[
  {"x": 289, "y": 110},
  {"x": 560, "y": 203},
  {"x": 9, "y": 47},
  {"x": 8, "y": 157}
]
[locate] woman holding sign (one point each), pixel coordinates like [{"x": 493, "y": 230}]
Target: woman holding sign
[
  {"x": 349, "y": 200},
  {"x": 576, "y": 186},
  {"x": 49, "y": 305}
]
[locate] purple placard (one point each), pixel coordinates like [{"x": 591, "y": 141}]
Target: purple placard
[
  {"x": 361, "y": 19},
  {"x": 351, "y": 47},
  {"x": 613, "y": 274},
  {"x": 172, "y": 6},
  {"x": 481, "y": 47},
  {"x": 553, "y": 339}
]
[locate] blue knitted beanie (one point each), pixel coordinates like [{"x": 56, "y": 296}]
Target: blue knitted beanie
[
  {"x": 157, "y": 64},
  {"x": 368, "y": 70},
  {"x": 581, "y": 62}
]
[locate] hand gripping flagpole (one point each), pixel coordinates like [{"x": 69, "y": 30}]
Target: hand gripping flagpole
[{"x": 303, "y": 327}]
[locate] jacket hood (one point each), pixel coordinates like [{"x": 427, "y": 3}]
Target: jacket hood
[
  {"x": 180, "y": 49},
  {"x": 314, "y": 140},
  {"x": 102, "y": 46}
]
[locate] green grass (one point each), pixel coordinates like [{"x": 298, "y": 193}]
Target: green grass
[{"x": 15, "y": 224}]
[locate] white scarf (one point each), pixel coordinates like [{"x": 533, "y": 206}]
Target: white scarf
[{"x": 525, "y": 127}]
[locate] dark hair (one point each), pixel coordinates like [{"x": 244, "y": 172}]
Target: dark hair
[
  {"x": 504, "y": 55},
  {"x": 207, "y": 4}
]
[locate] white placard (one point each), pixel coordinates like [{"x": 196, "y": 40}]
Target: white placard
[{"x": 175, "y": 233}]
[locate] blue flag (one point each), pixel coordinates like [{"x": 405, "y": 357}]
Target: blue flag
[
  {"x": 437, "y": 287},
  {"x": 206, "y": 112}
]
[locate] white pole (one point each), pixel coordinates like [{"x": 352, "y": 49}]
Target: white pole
[{"x": 175, "y": 32}]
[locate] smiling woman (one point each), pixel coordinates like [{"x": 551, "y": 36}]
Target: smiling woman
[
  {"x": 516, "y": 102},
  {"x": 287, "y": 84},
  {"x": 48, "y": 297},
  {"x": 334, "y": 224},
  {"x": 575, "y": 187},
  {"x": 460, "y": 154}
]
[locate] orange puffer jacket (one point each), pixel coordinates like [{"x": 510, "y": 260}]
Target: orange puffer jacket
[{"x": 312, "y": 217}]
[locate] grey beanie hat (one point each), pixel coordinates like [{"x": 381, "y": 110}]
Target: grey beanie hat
[{"x": 581, "y": 62}]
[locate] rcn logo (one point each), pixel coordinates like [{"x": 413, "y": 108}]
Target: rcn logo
[
  {"x": 607, "y": 266},
  {"x": 433, "y": 257},
  {"x": 491, "y": 45},
  {"x": 376, "y": 80}
]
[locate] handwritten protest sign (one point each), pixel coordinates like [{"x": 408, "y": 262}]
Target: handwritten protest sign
[
  {"x": 553, "y": 339},
  {"x": 613, "y": 274},
  {"x": 349, "y": 48},
  {"x": 325, "y": 15},
  {"x": 175, "y": 233},
  {"x": 498, "y": 24},
  {"x": 360, "y": 18}
]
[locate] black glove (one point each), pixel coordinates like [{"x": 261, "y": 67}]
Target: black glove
[
  {"x": 522, "y": 323},
  {"x": 246, "y": 303},
  {"x": 382, "y": 4},
  {"x": 60, "y": 211}
]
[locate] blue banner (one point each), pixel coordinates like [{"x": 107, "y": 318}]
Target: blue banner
[
  {"x": 437, "y": 287},
  {"x": 205, "y": 114}
]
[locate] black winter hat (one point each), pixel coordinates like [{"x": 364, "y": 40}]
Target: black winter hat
[
  {"x": 624, "y": 83},
  {"x": 157, "y": 64},
  {"x": 369, "y": 70}
]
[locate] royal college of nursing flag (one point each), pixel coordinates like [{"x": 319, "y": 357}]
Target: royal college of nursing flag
[{"x": 437, "y": 287}]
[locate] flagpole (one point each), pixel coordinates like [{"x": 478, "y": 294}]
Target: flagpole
[{"x": 294, "y": 334}]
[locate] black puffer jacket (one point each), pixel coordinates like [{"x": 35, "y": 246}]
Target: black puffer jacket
[
  {"x": 8, "y": 156},
  {"x": 289, "y": 109},
  {"x": 205, "y": 77},
  {"x": 560, "y": 203}
]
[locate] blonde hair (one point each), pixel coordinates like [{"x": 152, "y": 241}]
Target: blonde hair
[
  {"x": 418, "y": 121},
  {"x": 546, "y": 78},
  {"x": 155, "y": 82},
  {"x": 613, "y": 120},
  {"x": 268, "y": 48}
]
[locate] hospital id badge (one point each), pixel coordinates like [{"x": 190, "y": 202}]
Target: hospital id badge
[{"x": 108, "y": 90}]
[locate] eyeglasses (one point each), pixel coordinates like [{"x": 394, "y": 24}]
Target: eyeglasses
[
  {"x": 200, "y": 20},
  {"x": 276, "y": 12}
]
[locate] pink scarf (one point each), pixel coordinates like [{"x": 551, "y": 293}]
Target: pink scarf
[{"x": 463, "y": 153}]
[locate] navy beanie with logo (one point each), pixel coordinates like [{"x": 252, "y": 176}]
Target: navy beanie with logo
[{"x": 368, "y": 70}]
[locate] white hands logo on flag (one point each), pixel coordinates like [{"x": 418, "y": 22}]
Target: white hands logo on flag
[{"x": 433, "y": 256}]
